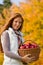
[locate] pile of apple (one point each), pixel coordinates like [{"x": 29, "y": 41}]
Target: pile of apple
[{"x": 28, "y": 45}]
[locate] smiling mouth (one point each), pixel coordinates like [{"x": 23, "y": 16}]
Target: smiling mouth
[{"x": 17, "y": 27}]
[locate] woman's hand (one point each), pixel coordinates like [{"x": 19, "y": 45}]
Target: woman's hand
[{"x": 28, "y": 58}]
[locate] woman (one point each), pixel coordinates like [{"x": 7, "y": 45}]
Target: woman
[{"x": 10, "y": 42}]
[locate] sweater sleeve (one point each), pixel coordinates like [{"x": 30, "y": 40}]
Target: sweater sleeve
[{"x": 6, "y": 46}]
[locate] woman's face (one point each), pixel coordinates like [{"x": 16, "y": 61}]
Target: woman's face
[{"x": 17, "y": 22}]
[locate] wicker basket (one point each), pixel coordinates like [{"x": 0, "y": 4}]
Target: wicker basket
[{"x": 32, "y": 51}]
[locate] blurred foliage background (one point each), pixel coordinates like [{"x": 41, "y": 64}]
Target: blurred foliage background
[{"x": 32, "y": 12}]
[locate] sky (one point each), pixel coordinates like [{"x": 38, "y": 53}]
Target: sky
[{"x": 14, "y": 1}]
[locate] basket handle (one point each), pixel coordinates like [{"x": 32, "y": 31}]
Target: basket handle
[{"x": 30, "y": 41}]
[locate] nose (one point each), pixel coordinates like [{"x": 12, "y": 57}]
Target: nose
[{"x": 18, "y": 24}]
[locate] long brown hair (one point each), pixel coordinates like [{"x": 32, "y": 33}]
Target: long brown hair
[{"x": 10, "y": 21}]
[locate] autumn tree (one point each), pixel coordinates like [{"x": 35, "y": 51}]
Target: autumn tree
[{"x": 7, "y": 3}]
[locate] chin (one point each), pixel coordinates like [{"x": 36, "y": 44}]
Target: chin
[{"x": 16, "y": 29}]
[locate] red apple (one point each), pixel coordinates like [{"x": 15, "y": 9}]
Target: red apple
[
  {"x": 27, "y": 46},
  {"x": 31, "y": 46},
  {"x": 35, "y": 45},
  {"x": 22, "y": 47}
]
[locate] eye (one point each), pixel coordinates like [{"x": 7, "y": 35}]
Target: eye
[
  {"x": 16, "y": 21},
  {"x": 20, "y": 22}
]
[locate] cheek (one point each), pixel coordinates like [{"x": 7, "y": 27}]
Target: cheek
[
  {"x": 20, "y": 24},
  {"x": 14, "y": 24}
]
